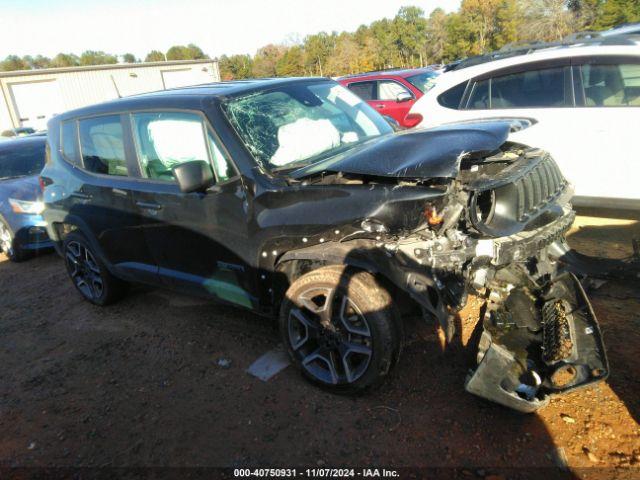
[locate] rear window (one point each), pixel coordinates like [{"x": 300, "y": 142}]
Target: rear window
[
  {"x": 21, "y": 160},
  {"x": 102, "y": 145},
  {"x": 452, "y": 97}
]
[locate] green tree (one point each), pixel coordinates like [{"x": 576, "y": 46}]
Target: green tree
[
  {"x": 154, "y": 56},
  {"x": 437, "y": 36},
  {"x": 129, "y": 58},
  {"x": 13, "y": 62},
  {"x": 190, "y": 52},
  {"x": 91, "y": 57},
  {"x": 291, "y": 64},
  {"x": 585, "y": 12},
  {"x": 65, "y": 60},
  {"x": 40, "y": 61},
  {"x": 409, "y": 29},
  {"x": 266, "y": 60},
  {"x": 317, "y": 49},
  {"x": 235, "y": 67},
  {"x": 615, "y": 12}
]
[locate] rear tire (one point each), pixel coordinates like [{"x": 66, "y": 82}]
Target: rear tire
[
  {"x": 88, "y": 273},
  {"x": 9, "y": 245},
  {"x": 341, "y": 329}
]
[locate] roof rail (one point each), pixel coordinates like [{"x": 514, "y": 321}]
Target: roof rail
[
  {"x": 524, "y": 48},
  {"x": 382, "y": 70},
  {"x": 624, "y": 25}
]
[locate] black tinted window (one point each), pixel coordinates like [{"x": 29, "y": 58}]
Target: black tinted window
[
  {"x": 534, "y": 88},
  {"x": 102, "y": 145},
  {"x": 365, "y": 90},
  {"x": 69, "y": 142},
  {"x": 20, "y": 160},
  {"x": 452, "y": 97},
  {"x": 479, "y": 98}
]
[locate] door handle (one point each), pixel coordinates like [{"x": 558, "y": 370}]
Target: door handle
[
  {"x": 380, "y": 105},
  {"x": 80, "y": 195},
  {"x": 149, "y": 206}
]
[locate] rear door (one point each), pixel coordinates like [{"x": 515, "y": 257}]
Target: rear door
[
  {"x": 100, "y": 195},
  {"x": 194, "y": 237}
]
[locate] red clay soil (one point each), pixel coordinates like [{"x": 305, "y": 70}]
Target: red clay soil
[{"x": 138, "y": 384}]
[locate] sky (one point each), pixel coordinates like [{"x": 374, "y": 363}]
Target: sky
[{"x": 47, "y": 27}]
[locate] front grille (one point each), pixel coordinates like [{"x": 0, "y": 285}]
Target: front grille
[{"x": 540, "y": 185}]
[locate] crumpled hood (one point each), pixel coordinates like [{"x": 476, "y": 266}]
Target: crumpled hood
[{"x": 430, "y": 153}]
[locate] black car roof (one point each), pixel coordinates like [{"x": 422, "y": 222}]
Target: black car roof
[
  {"x": 19, "y": 142},
  {"x": 186, "y": 97}
]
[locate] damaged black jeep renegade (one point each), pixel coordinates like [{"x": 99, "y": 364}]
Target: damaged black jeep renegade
[{"x": 293, "y": 198}]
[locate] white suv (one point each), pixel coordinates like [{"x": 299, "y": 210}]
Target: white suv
[{"x": 583, "y": 101}]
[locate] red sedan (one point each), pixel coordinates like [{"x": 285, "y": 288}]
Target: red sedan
[{"x": 393, "y": 92}]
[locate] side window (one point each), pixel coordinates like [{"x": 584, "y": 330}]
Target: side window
[
  {"x": 164, "y": 140},
  {"x": 479, "y": 98},
  {"x": 365, "y": 90},
  {"x": 102, "y": 145},
  {"x": 452, "y": 97},
  {"x": 69, "y": 142},
  {"x": 530, "y": 89},
  {"x": 389, "y": 90},
  {"x": 611, "y": 85}
]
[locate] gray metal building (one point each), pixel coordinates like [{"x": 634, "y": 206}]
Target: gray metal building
[{"x": 28, "y": 98}]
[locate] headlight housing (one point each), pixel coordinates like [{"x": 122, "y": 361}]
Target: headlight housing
[{"x": 26, "y": 206}]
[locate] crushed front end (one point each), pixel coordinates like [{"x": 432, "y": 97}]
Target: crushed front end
[
  {"x": 491, "y": 237},
  {"x": 460, "y": 210}
]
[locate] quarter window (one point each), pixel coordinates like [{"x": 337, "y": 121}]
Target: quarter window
[
  {"x": 453, "y": 97},
  {"x": 70, "y": 142},
  {"x": 102, "y": 145},
  {"x": 611, "y": 85}
]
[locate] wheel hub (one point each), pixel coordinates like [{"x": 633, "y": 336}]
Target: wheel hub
[{"x": 330, "y": 336}]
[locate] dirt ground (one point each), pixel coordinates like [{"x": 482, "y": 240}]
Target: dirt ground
[{"x": 139, "y": 384}]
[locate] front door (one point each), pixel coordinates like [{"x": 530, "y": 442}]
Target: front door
[
  {"x": 197, "y": 239},
  {"x": 394, "y": 100}
]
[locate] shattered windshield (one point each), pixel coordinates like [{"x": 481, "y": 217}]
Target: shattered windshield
[{"x": 295, "y": 125}]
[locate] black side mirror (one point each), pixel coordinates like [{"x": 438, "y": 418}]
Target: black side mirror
[{"x": 195, "y": 176}]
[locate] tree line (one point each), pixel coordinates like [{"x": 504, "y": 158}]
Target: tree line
[
  {"x": 410, "y": 39},
  {"x": 91, "y": 57}
]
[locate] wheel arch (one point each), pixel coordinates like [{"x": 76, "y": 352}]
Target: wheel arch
[
  {"x": 72, "y": 223},
  {"x": 368, "y": 257}
]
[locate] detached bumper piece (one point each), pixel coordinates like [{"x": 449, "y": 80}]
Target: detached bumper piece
[{"x": 538, "y": 344}]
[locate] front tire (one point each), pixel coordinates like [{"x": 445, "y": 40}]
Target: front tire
[
  {"x": 88, "y": 274},
  {"x": 341, "y": 329}
]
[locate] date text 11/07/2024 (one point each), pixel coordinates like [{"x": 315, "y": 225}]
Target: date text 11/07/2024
[{"x": 315, "y": 473}]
